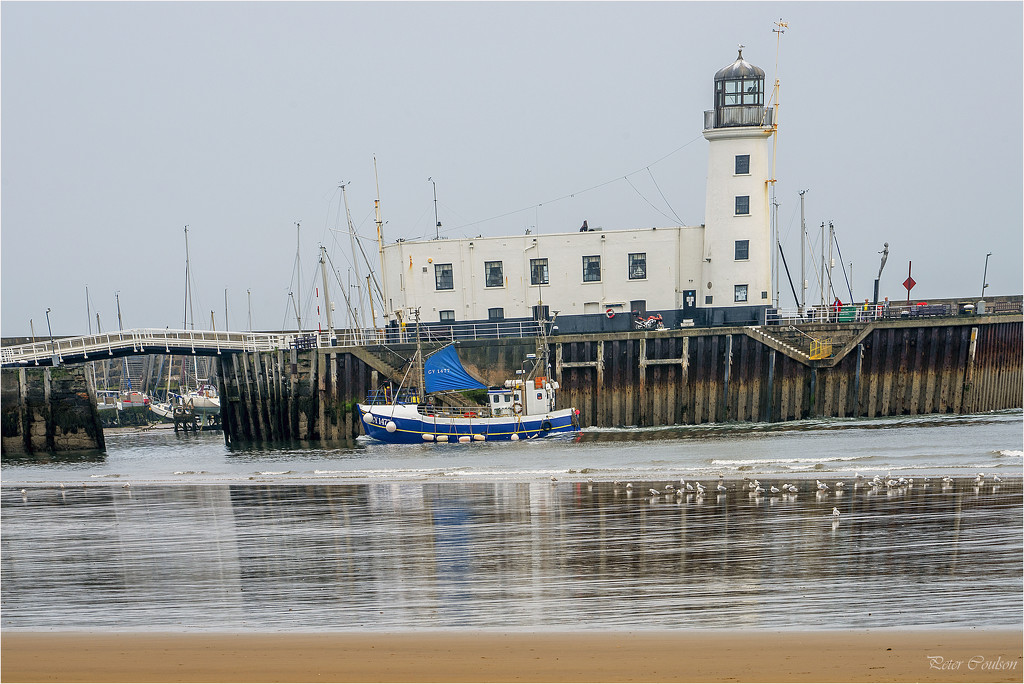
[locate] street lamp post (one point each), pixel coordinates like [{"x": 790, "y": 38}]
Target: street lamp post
[
  {"x": 56, "y": 357},
  {"x": 984, "y": 277}
]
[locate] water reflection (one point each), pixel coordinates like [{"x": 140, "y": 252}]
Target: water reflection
[{"x": 585, "y": 555}]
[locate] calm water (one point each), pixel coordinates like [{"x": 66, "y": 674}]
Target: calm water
[{"x": 478, "y": 536}]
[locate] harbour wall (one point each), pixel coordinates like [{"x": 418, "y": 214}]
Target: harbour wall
[
  {"x": 48, "y": 410},
  {"x": 961, "y": 364}
]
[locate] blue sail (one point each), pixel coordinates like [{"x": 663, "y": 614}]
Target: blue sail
[{"x": 443, "y": 371}]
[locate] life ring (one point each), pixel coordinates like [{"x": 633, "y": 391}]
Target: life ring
[
  {"x": 517, "y": 408},
  {"x": 609, "y": 313}
]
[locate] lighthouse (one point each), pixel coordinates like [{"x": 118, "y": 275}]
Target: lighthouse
[{"x": 736, "y": 269}]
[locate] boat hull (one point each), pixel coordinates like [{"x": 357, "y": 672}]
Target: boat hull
[{"x": 408, "y": 426}]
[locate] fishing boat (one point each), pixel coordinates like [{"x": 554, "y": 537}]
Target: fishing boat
[{"x": 524, "y": 408}]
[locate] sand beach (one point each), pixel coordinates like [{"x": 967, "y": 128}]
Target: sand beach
[{"x": 683, "y": 656}]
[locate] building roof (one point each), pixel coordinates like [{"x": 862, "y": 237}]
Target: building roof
[{"x": 741, "y": 68}]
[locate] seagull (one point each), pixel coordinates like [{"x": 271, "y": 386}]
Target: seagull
[
  {"x": 996, "y": 478},
  {"x": 947, "y": 480},
  {"x": 629, "y": 485},
  {"x": 700, "y": 489},
  {"x": 61, "y": 485},
  {"x": 822, "y": 487},
  {"x": 774, "y": 490},
  {"x": 554, "y": 479},
  {"x": 858, "y": 477},
  {"x": 835, "y": 512},
  {"x": 759, "y": 490},
  {"x": 689, "y": 487},
  {"x": 840, "y": 485},
  {"x": 794, "y": 489},
  {"x": 655, "y": 492},
  {"x": 669, "y": 487},
  {"x": 126, "y": 485},
  {"x": 722, "y": 488}
]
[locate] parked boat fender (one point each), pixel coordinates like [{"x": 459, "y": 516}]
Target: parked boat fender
[
  {"x": 428, "y": 437},
  {"x": 515, "y": 437},
  {"x": 479, "y": 437},
  {"x": 441, "y": 438},
  {"x": 391, "y": 427},
  {"x": 464, "y": 439},
  {"x": 545, "y": 426}
]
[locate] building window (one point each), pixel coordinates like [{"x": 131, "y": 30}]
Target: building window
[
  {"x": 740, "y": 293},
  {"x": 707, "y": 299},
  {"x": 742, "y": 164},
  {"x": 591, "y": 269},
  {"x": 742, "y": 205},
  {"x": 447, "y": 316},
  {"x": 742, "y": 250},
  {"x": 443, "y": 278},
  {"x": 496, "y": 314},
  {"x": 541, "y": 312},
  {"x": 538, "y": 271},
  {"x": 638, "y": 266},
  {"x": 764, "y": 294},
  {"x": 492, "y": 274}
]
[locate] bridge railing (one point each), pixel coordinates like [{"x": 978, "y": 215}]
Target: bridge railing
[
  {"x": 157, "y": 340},
  {"x": 105, "y": 344}
]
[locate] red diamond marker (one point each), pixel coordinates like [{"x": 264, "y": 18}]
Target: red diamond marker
[{"x": 909, "y": 283}]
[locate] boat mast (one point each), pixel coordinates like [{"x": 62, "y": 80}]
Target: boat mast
[
  {"x": 360, "y": 311},
  {"x": 803, "y": 239},
  {"x": 380, "y": 247},
  {"x": 188, "y": 289},
  {"x": 419, "y": 359},
  {"x": 327, "y": 296}
]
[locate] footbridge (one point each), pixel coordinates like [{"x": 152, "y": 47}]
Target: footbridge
[
  {"x": 67, "y": 350},
  {"x": 70, "y": 350}
]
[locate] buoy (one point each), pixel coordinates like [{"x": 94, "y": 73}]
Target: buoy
[
  {"x": 465, "y": 439},
  {"x": 479, "y": 438},
  {"x": 428, "y": 437},
  {"x": 391, "y": 427},
  {"x": 515, "y": 437},
  {"x": 441, "y": 438}
]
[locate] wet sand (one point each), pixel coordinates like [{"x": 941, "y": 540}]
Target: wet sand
[{"x": 685, "y": 656}]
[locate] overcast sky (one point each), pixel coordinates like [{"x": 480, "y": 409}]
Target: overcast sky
[{"x": 122, "y": 122}]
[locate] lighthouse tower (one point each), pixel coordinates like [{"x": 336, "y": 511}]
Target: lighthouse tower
[{"x": 736, "y": 282}]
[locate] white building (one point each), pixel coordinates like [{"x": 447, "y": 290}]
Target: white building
[{"x": 715, "y": 273}]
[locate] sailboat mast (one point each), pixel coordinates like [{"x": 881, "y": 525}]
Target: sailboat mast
[
  {"x": 380, "y": 247},
  {"x": 188, "y": 289},
  {"x": 327, "y": 296},
  {"x": 355, "y": 260},
  {"x": 803, "y": 240}
]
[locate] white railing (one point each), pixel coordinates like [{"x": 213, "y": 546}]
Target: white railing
[
  {"x": 848, "y": 313},
  {"x": 94, "y": 347},
  {"x": 204, "y": 342}
]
